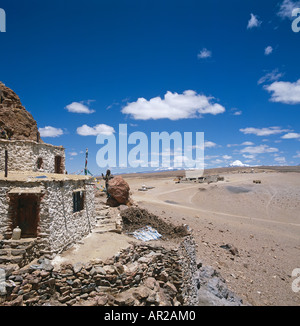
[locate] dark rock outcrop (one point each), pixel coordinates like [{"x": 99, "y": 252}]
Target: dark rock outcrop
[{"x": 15, "y": 120}]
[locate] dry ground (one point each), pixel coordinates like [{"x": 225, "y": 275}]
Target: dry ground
[{"x": 261, "y": 220}]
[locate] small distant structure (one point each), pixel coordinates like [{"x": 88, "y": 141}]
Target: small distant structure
[
  {"x": 256, "y": 181},
  {"x": 207, "y": 179},
  {"x": 145, "y": 188}
]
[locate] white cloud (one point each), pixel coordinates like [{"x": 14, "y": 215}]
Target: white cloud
[
  {"x": 280, "y": 159},
  {"x": 285, "y": 92},
  {"x": 204, "y": 53},
  {"x": 259, "y": 149},
  {"x": 268, "y": 50},
  {"x": 173, "y": 106},
  {"x": 253, "y": 22},
  {"x": 237, "y": 113},
  {"x": 209, "y": 144},
  {"x": 272, "y": 76},
  {"x": 263, "y": 131},
  {"x": 79, "y": 107},
  {"x": 247, "y": 143},
  {"x": 217, "y": 161},
  {"x": 297, "y": 155},
  {"x": 103, "y": 129},
  {"x": 287, "y": 7},
  {"x": 49, "y": 131},
  {"x": 73, "y": 153},
  {"x": 291, "y": 135},
  {"x": 249, "y": 156},
  {"x": 227, "y": 157}
]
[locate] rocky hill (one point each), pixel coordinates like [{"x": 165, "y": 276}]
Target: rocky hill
[{"x": 15, "y": 120}]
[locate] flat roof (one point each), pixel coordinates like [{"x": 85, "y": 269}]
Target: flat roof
[
  {"x": 28, "y": 176},
  {"x": 29, "y": 141}
]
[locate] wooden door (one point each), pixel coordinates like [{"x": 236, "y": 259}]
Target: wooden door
[{"x": 27, "y": 218}]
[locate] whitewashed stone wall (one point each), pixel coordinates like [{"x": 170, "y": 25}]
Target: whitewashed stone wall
[
  {"x": 23, "y": 155},
  {"x": 59, "y": 227},
  {"x": 4, "y": 204},
  {"x": 62, "y": 226}
]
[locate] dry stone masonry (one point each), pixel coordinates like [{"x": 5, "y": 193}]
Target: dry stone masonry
[
  {"x": 141, "y": 275},
  {"x": 29, "y": 155}
]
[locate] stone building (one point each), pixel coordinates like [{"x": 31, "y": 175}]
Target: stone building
[{"x": 53, "y": 209}]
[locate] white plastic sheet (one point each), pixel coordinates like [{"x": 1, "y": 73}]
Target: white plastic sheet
[{"x": 146, "y": 234}]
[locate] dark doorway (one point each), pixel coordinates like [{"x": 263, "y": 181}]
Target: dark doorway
[
  {"x": 39, "y": 163},
  {"x": 27, "y": 215},
  {"x": 58, "y": 165}
]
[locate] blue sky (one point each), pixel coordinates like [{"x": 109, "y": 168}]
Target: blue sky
[{"x": 228, "y": 69}]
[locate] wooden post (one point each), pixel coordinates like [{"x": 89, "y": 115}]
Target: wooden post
[{"x": 6, "y": 164}]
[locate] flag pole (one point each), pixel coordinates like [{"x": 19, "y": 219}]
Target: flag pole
[{"x": 86, "y": 160}]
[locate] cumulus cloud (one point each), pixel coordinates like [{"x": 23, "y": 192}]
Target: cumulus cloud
[
  {"x": 79, "y": 107},
  {"x": 261, "y": 149},
  {"x": 49, "y": 131},
  {"x": 103, "y": 129},
  {"x": 285, "y": 92},
  {"x": 263, "y": 131},
  {"x": 204, "y": 53},
  {"x": 286, "y": 8},
  {"x": 291, "y": 135},
  {"x": 253, "y": 22},
  {"x": 268, "y": 50},
  {"x": 173, "y": 106}
]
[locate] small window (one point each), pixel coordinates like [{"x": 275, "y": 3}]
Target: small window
[{"x": 78, "y": 201}]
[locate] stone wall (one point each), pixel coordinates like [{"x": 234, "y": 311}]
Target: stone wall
[
  {"x": 60, "y": 226},
  {"x": 23, "y": 155},
  {"x": 140, "y": 275}
]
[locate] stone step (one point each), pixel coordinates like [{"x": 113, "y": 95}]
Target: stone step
[
  {"x": 104, "y": 222},
  {"x": 105, "y": 228},
  {"x": 12, "y": 252},
  {"x": 103, "y": 218},
  {"x": 11, "y": 259}
]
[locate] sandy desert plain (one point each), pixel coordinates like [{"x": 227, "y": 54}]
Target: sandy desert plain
[{"x": 261, "y": 220}]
